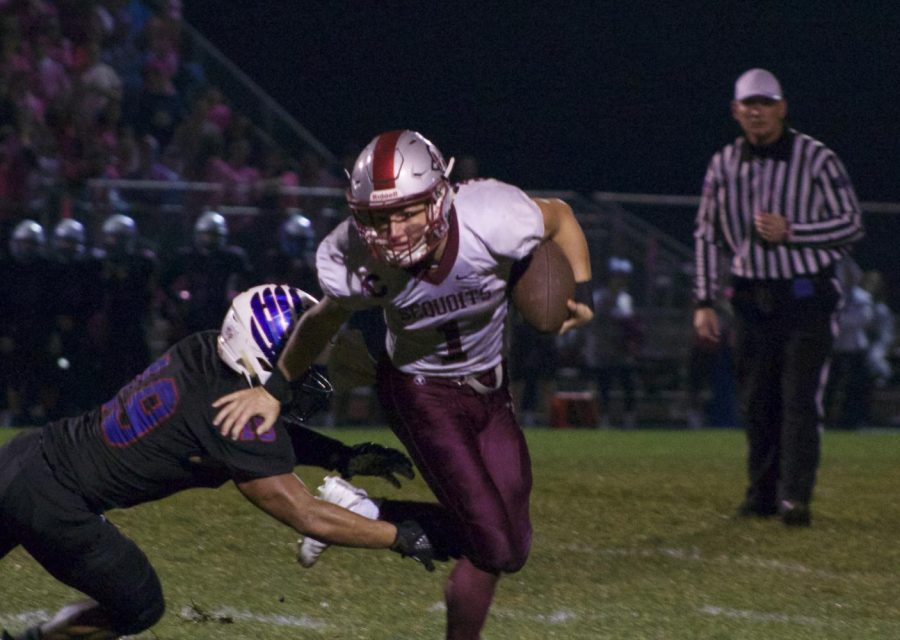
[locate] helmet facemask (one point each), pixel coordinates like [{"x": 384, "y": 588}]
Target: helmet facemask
[{"x": 420, "y": 241}]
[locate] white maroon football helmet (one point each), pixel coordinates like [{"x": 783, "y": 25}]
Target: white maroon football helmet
[
  {"x": 397, "y": 169},
  {"x": 257, "y": 327}
]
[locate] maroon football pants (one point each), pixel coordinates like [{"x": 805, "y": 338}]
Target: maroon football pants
[{"x": 472, "y": 453}]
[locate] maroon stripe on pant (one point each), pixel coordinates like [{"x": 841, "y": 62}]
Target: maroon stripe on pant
[{"x": 472, "y": 453}]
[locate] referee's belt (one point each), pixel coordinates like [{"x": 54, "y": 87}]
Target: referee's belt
[{"x": 483, "y": 383}]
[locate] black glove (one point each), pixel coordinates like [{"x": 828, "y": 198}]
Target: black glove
[
  {"x": 371, "y": 459},
  {"x": 412, "y": 542}
]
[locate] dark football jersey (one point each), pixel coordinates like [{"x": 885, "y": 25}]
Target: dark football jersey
[{"x": 139, "y": 445}]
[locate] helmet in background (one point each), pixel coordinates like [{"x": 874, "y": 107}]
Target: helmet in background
[
  {"x": 210, "y": 232},
  {"x": 69, "y": 239},
  {"x": 297, "y": 238},
  {"x": 397, "y": 169},
  {"x": 119, "y": 235},
  {"x": 27, "y": 241}
]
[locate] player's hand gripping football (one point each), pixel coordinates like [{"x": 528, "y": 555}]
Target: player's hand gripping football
[
  {"x": 579, "y": 315},
  {"x": 238, "y": 408},
  {"x": 372, "y": 459}
]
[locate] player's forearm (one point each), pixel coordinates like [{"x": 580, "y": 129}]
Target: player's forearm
[
  {"x": 286, "y": 499},
  {"x": 561, "y": 226},
  {"x": 328, "y": 523},
  {"x": 316, "y": 449},
  {"x": 309, "y": 339}
]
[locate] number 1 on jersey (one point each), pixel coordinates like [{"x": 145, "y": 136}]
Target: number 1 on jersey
[{"x": 453, "y": 338}]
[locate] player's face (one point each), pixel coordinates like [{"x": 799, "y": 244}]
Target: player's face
[
  {"x": 401, "y": 227},
  {"x": 762, "y": 119}
]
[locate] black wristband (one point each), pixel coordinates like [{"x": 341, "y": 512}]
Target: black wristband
[
  {"x": 584, "y": 294},
  {"x": 279, "y": 387}
]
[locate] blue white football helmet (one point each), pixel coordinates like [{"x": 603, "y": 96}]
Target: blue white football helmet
[
  {"x": 255, "y": 331},
  {"x": 258, "y": 325}
]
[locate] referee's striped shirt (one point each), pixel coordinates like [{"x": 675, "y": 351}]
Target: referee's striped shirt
[{"x": 797, "y": 177}]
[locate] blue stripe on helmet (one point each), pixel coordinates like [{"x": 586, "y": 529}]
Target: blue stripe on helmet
[{"x": 273, "y": 315}]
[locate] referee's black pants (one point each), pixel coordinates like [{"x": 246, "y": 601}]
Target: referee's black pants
[{"x": 784, "y": 334}]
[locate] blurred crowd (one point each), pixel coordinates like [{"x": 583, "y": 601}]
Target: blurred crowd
[{"x": 112, "y": 89}]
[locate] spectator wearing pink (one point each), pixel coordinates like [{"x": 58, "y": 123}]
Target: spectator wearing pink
[{"x": 243, "y": 176}]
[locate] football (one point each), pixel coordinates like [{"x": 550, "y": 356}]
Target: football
[{"x": 541, "y": 285}]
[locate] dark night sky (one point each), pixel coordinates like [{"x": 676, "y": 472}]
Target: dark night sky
[{"x": 584, "y": 95}]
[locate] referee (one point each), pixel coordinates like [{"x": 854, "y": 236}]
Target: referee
[{"x": 781, "y": 204}]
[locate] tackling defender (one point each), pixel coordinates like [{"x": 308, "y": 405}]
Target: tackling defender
[
  {"x": 436, "y": 258},
  {"x": 154, "y": 438}
]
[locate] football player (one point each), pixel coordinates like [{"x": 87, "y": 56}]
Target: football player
[
  {"x": 154, "y": 438},
  {"x": 202, "y": 279},
  {"x": 436, "y": 258}
]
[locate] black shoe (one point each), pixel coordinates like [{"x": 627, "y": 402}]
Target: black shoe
[
  {"x": 748, "y": 509},
  {"x": 795, "y": 514}
]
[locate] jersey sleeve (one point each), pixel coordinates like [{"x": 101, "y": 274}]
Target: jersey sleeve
[
  {"x": 340, "y": 259},
  {"x": 510, "y": 224},
  {"x": 252, "y": 456}
]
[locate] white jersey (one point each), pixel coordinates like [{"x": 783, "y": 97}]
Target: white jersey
[{"x": 449, "y": 321}]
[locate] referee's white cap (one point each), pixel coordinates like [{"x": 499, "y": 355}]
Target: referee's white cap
[{"x": 757, "y": 83}]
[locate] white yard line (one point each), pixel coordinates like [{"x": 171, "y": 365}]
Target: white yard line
[
  {"x": 761, "y": 616},
  {"x": 216, "y": 616}
]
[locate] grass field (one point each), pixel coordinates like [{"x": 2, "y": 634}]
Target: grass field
[{"x": 633, "y": 539}]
